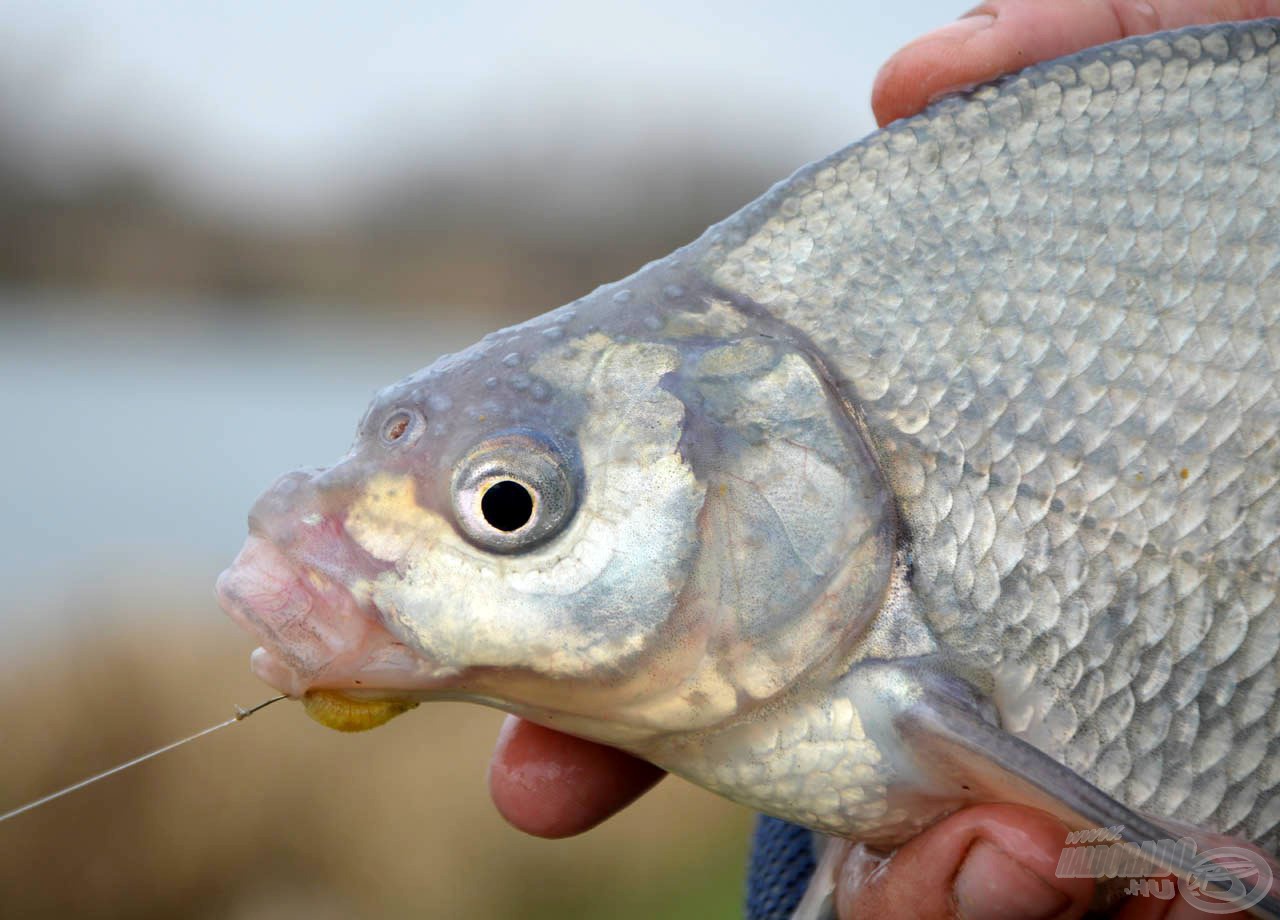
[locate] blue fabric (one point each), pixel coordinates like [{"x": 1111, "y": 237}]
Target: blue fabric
[{"x": 779, "y": 869}]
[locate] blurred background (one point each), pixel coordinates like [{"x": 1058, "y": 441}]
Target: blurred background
[{"x": 222, "y": 227}]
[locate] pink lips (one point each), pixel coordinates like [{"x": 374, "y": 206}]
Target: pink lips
[{"x": 312, "y": 631}]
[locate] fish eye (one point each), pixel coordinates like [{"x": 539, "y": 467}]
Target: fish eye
[
  {"x": 507, "y": 505},
  {"x": 513, "y": 491},
  {"x": 401, "y": 427}
]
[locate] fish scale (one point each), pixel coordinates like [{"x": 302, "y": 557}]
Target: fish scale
[{"x": 1056, "y": 309}]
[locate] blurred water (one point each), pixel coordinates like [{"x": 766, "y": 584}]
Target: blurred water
[{"x": 134, "y": 441}]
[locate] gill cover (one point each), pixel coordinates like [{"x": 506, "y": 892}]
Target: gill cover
[{"x": 795, "y": 533}]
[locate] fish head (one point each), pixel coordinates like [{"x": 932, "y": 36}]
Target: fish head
[{"x": 615, "y": 522}]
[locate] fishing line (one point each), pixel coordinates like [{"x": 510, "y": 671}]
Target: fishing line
[{"x": 240, "y": 716}]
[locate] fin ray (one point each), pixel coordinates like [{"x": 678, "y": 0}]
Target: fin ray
[{"x": 951, "y": 739}]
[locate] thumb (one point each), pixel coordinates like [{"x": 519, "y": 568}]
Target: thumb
[{"x": 989, "y": 861}]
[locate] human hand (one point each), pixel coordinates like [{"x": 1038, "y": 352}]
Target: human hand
[
  {"x": 990, "y": 861},
  {"x": 553, "y": 785},
  {"x": 994, "y": 860},
  {"x": 1004, "y": 36}
]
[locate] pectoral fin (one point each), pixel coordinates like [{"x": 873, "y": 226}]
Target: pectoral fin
[
  {"x": 819, "y": 901},
  {"x": 952, "y": 743}
]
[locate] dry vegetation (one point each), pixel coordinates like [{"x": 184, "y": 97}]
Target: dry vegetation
[{"x": 278, "y": 818}]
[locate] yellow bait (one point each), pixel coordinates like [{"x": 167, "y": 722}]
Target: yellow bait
[{"x": 342, "y": 713}]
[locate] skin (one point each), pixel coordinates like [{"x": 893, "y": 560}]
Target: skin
[{"x": 986, "y": 861}]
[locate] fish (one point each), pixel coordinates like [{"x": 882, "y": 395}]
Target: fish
[{"x": 947, "y": 471}]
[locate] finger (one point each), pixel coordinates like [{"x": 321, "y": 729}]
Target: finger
[
  {"x": 1151, "y": 908},
  {"x": 1176, "y": 908},
  {"x": 554, "y": 785},
  {"x": 984, "y": 862},
  {"x": 1004, "y": 36},
  {"x": 1184, "y": 906}
]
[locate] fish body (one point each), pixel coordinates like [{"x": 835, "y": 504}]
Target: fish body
[{"x": 947, "y": 471}]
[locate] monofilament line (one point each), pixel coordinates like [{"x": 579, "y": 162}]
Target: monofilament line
[{"x": 241, "y": 715}]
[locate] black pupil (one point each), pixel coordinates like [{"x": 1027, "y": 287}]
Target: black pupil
[{"x": 507, "y": 506}]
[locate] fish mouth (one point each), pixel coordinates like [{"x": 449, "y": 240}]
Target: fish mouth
[{"x": 313, "y": 632}]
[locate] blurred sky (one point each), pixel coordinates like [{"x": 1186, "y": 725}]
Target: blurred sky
[{"x": 281, "y": 109}]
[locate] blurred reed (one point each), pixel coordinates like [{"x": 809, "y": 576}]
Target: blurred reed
[{"x": 279, "y": 818}]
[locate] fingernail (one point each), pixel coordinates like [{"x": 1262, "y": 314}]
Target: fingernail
[
  {"x": 960, "y": 28},
  {"x": 974, "y": 22},
  {"x": 991, "y": 885}
]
